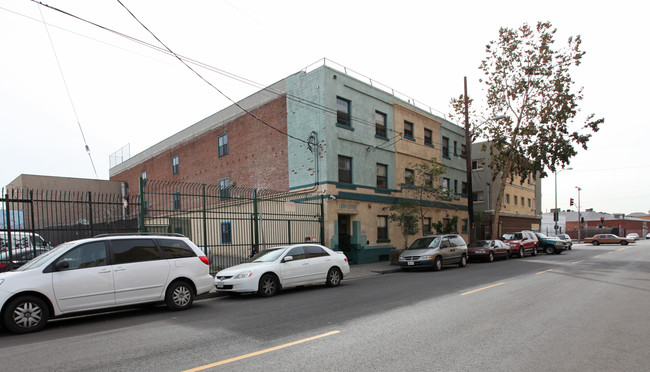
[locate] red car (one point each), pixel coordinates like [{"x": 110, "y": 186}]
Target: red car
[
  {"x": 522, "y": 243},
  {"x": 488, "y": 250}
]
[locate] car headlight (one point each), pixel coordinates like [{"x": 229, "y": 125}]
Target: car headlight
[
  {"x": 426, "y": 257},
  {"x": 2, "y": 281},
  {"x": 243, "y": 275}
]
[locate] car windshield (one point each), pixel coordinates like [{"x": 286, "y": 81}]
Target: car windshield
[
  {"x": 268, "y": 255},
  {"x": 38, "y": 261},
  {"x": 480, "y": 243},
  {"x": 516, "y": 236},
  {"x": 422, "y": 243}
]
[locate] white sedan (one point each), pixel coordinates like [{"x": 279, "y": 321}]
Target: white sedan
[{"x": 282, "y": 267}]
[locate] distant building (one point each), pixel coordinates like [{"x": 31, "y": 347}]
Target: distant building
[
  {"x": 521, "y": 203},
  {"x": 327, "y": 131}
]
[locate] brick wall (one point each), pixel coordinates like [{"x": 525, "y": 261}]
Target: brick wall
[{"x": 257, "y": 156}]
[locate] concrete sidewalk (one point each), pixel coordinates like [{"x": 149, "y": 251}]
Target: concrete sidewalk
[{"x": 371, "y": 269}]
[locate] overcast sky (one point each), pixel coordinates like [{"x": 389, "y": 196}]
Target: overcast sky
[{"x": 125, "y": 93}]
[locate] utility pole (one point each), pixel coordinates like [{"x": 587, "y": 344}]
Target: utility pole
[
  {"x": 579, "y": 217},
  {"x": 468, "y": 164}
]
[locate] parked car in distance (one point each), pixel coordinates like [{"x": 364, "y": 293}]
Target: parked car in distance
[
  {"x": 100, "y": 273},
  {"x": 18, "y": 257},
  {"x": 22, "y": 239},
  {"x": 434, "y": 252},
  {"x": 551, "y": 245},
  {"x": 634, "y": 236},
  {"x": 521, "y": 243},
  {"x": 647, "y": 236},
  {"x": 566, "y": 239},
  {"x": 488, "y": 250},
  {"x": 608, "y": 239},
  {"x": 273, "y": 269}
]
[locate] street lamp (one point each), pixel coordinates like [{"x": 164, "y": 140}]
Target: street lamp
[
  {"x": 579, "y": 219},
  {"x": 556, "y": 212}
]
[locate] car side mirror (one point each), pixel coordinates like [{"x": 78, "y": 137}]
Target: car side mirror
[
  {"x": 62, "y": 265},
  {"x": 287, "y": 258}
]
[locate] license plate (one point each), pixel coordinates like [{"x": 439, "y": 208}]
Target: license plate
[
  {"x": 411, "y": 263},
  {"x": 219, "y": 285}
]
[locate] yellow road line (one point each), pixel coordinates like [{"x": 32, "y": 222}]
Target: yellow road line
[
  {"x": 226, "y": 361},
  {"x": 599, "y": 255},
  {"x": 545, "y": 271},
  {"x": 575, "y": 262},
  {"x": 481, "y": 289}
]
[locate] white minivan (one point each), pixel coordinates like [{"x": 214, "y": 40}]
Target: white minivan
[{"x": 103, "y": 272}]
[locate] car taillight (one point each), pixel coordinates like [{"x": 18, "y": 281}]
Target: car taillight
[
  {"x": 205, "y": 260},
  {"x": 346, "y": 259},
  {"x": 3, "y": 266}
]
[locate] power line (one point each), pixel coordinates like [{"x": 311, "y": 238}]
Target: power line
[{"x": 74, "y": 110}]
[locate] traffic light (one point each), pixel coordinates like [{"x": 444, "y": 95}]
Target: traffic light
[{"x": 571, "y": 201}]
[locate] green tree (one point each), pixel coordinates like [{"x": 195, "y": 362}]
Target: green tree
[
  {"x": 405, "y": 214},
  {"x": 427, "y": 186},
  {"x": 529, "y": 85},
  {"x": 447, "y": 227}
]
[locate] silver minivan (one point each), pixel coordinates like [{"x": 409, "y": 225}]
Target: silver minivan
[{"x": 434, "y": 252}]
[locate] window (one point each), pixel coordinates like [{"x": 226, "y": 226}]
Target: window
[
  {"x": 428, "y": 137},
  {"x": 507, "y": 198},
  {"x": 478, "y": 164},
  {"x": 174, "y": 248},
  {"x": 343, "y": 112},
  {"x": 226, "y": 233},
  {"x": 463, "y": 150},
  {"x": 455, "y": 148},
  {"x": 382, "y": 228},
  {"x": 175, "y": 164},
  {"x": 134, "y": 250},
  {"x": 380, "y": 124},
  {"x": 222, "y": 143},
  {"x": 477, "y": 196},
  {"x": 315, "y": 251},
  {"x": 345, "y": 169},
  {"x": 515, "y": 199},
  {"x": 528, "y": 202},
  {"x": 409, "y": 177},
  {"x": 426, "y": 226},
  {"x": 298, "y": 253},
  {"x": 224, "y": 188},
  {"x": 177, "y": 199},
  {"x": 464, "y": 226},
  {"x": 86, "y": 255},
  {"x": 382, "y": 178},
  {"x": 408, "y": 130},
  {"x": 463, "y": 188},
  {"x": 455, "y": 186},
  {"x": 445, "y": 147},
  {"x": 445, "y": 184}
]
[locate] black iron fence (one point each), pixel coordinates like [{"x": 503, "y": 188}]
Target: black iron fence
[
  {"x": 35, "y": 220},
  {"x": 225, "y": 222}
]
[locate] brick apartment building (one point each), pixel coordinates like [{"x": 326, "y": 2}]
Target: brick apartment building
[{"x": 326, "y": 131}]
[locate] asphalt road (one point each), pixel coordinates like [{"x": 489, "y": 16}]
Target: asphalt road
[{"x": 585, "y": 310}]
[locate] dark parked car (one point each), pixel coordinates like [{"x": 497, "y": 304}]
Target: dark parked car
[
  {"x": 551, "y": 245},
  {"x": 566, "y": 239},
  {"x": 488, "y": 250},
  {"x": 521, "y": 243}
]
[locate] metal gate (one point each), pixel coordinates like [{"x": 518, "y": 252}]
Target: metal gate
[{"x": 226, "y": 222}]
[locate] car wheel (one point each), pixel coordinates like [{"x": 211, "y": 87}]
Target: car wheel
[
  {"x": 463, "y": 261},
  {"x": 549, "y": 249},
  {"x": 269, "y": 285},
  {"x": 25, "y": 314},
  {"x": 624, "y": 242},
  {"x": 491, "y": 257},
  {"x": 437, "y": 264},
  {"x": 334, "y": 277},
  {"x": 179, "y": 295},
  {"x": 521, "y": 252},
  {"x": 595, "y": 242}
]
